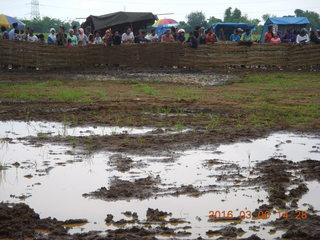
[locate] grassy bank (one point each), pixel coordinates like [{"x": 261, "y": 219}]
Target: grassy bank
[{"x": 288, "y": 100}]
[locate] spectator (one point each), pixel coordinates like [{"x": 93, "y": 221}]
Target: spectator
[
  {"x": 11, "y": 33},
  {"x": 16, "y": 35},
  {"x": 116, "y": 38},
  {"x": 107, "y": 38},
  {"x": 303, "y": 37},
  {"x": 91, "y": 39},
  {"x": 24, "y": 35},
  {"x": 69, "y": 43},
  {"x": 196, "y": 32},
  {"x": 4, "y": 33},
  {"x": 128, "y": 36},
  {"x": 61, "y": 37},
  {"x": 82, "y": 37},
  {"x": 192, "y": 40},
  {"x": 52, "y": 39},
  {"x": 289, "y": 37},
  {"x": 97, "y": 39},
  {"x": 275, "y": 38},
  {"x": 246, "y": 36},
  {"x": 181, "y": 36},
  {"x": 202, "y": 36},
  {"x": 211, "y": 37},
  {"x": 174, "y": 33},
  {"x": 32, "y": 37},
  {"x": 153, "y": 37},
  {"x": 167, "y": 37},
  {"x": 314, "y": 37},
  {"x": 269, "y": 34},
  {"x": 141, "y": 38},
  {"x": 75, "y": 31},
  {"x": 41, "y": 38},
  {"x": 235, "y": 36},
  {"x": 74, "y": 39}
]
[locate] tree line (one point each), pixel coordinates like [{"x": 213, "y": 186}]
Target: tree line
[{"x": 194, "y": 19}]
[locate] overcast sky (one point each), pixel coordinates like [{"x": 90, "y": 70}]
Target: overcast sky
[{"x": 71, "y": 9}]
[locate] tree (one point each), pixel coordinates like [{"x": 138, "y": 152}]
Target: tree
[
  {"x": 196, "y": 19},
  {"x": 43, "y": 25},
  {"x": 185, "y": 26},
  {"x": 266, "y": 16},
  {"x": 213, "y": 20},
  {"x": 313, "y": 17}
]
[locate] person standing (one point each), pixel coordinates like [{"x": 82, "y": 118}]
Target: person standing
[
  {"x": 128, "y": 36},
  {"x": 275, "y": 39},
  {"x": 82, "y": 37},
  {"x": 61, "y": 37},
  {"x": 289, "y": 37},
  {"x": 52, "y": 39},
  {"x": 154, "y": 36},
  {"x": 107, "y": 38},
  {"x": 211, "y": 37},
  {"x": 269, "y": 34},
  {"x": 167, "y": 37},
  {"x": 11, "y": 33},
  {"x": 247, "y": 36},
  {"x": 32, "y": 37},
  {"x": 235, "y": 36},
  {"x": 116, "y": 38},
  {"x": 181, "y": 36},
  {"x": 303, "y": 37},
  {"x": 4, "y": 33},
  {"x": 72, "y": 37}
]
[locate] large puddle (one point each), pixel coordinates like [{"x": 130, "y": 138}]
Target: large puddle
[{"x": 52, "y": 178}]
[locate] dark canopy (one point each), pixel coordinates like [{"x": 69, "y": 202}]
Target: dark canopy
[
  {"x": 224, "y": 30},
  {"x": 120, "y": 21}
]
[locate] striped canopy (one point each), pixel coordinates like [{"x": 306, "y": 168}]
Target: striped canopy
[
  {"x": 7, "y": 21},
  {"x": 168, "y": 22}
]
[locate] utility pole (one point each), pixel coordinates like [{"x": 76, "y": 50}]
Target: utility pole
[{"x": 35, "y": 13}]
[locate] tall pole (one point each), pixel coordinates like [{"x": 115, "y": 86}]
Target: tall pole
[{"x": 35, "y": 13}]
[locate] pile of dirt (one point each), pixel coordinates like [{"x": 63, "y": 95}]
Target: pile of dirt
[
  {"x": 228, "y": 231},
  {"x": 121, "y": 163},
  {"x": 19, "y": 221},
  {"x": 307, "y": 228},
  {"x": 142, "y": 188}
]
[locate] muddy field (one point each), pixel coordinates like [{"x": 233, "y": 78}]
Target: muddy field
[{"x": 160, "y": 155}]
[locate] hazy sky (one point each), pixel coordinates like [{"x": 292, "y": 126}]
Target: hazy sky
[{"x": 71, "y": 9}]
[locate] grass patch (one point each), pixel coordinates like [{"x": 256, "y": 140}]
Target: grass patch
[
  {"x": 147, "y": 89},
  {"x": 184, "y": 94},
  {"x": 70, "y": 96}
]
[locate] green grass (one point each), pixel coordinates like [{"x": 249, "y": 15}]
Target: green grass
[
  {"x": 70, "y": 96},
  {"x": 184, "y": 94},
  {"x": 147, "y": 89}
]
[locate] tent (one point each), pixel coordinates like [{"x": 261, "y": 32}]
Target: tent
[
  {"x": 224, "y": 30},
  {"x": 119, "y": 21},
  {"x": 284, "y": 23},
  {"x": 7, "y": 21}
]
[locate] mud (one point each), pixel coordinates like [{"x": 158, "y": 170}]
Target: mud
[{"x": 307, "y": 228}]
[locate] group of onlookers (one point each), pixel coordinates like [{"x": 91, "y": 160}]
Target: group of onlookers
[
  {"x": 291, "y": 36},
  {"x": 200, "y": 35}
]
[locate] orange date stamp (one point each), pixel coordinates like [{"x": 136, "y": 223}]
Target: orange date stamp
[{"x": 245, "y": 214}]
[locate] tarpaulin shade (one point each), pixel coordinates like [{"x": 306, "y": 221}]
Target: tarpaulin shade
[
  {"x": 224, "y": 30},
  {"x": 7, "y": 21},
  {"x": 284, "y": 23},
  {"x": 120, "y": 21}
]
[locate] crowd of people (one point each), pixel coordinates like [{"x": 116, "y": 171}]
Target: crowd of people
[
  {"x": 77, "y": 36},
  {"x": 291, "y": 36}
]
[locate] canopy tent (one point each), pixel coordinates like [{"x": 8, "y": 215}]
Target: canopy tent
[
  {"x": 224, "y": 30},
  {"x": 284, "y": 23},
  {"x": 119, "y": 21},
  {"x": 7, "y": 21}
]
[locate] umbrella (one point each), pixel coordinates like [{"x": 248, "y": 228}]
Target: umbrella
[
  {"x": 168, "y": 22},
  {"x": 7, "y": 21}
]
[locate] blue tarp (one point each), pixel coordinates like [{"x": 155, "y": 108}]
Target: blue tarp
[
  {"x": 161, "y": 30},
  {"x": 228, "y": 29},
  {"x": 285, "y": 23}
]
